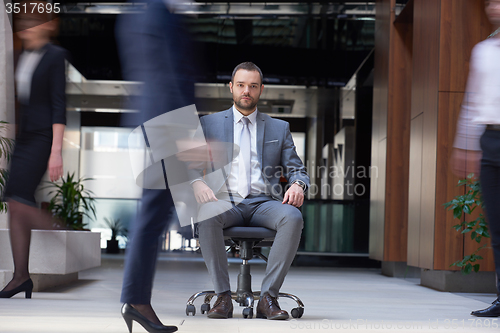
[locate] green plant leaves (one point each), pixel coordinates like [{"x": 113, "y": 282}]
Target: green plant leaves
[
  {"x": 466, "y": 230},
  {"x": 463, "y": 205},
  {"x": 71, "y": 201}
]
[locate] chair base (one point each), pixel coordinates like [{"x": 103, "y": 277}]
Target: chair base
[
  {"x": 246, "y": 240},
  {"x": 247, "y": 303}
]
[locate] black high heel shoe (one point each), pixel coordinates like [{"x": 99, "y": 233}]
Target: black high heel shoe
[
  {"x": 130, "y": 314},
  {"x": 26, "y": 286}
]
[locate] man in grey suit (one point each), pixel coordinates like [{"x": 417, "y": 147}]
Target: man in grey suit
[{"x": 249, "y": 193}]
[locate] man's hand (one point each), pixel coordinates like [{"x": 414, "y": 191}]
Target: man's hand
[
  {"x": 294, "y": 196},
  {"x": 464, "y": 162},
  {"x": 203, "y": 193},
  {"x": 198, "y": 153},
  {"x": 55, "y": 166}
]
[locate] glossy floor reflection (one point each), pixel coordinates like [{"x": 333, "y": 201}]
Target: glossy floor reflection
[{"x": 340, "y": 300}]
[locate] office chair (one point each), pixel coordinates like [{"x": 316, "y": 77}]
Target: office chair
[{"x": 247, "y": 240}]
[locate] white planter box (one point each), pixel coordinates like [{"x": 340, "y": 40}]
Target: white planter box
[
  {"x": 56, "y": 251},
  {"x": 5, "y": 277}
]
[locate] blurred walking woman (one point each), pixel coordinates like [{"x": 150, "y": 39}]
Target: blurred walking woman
[{"x": 40, "y": 87}]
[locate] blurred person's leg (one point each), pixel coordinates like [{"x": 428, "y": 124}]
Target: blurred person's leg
[
  {"x": 20, "y": 238},
  {"x": 23, "y": 219},
  {"x": 153, "y": 49},
  {"x": 29, "y": 163},
  {"x": 142, "y": 250},
  {"x": 490, "y": 187}
]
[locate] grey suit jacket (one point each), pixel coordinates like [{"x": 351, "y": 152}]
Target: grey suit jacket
[{"x": 275, "y": 149}]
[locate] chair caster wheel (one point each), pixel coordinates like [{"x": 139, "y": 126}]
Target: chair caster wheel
[
  {"x": 297, "y": 312},
  {"x": 205, "y": 307},
  {"x": 190, "y": 308},
  {"x": 248, "y": 313}
]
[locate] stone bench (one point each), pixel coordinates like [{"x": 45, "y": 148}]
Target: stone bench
[{"x": 56, "y": 256}]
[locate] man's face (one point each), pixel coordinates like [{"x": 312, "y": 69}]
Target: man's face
[
  {"x": 246, "y": 89},
  {"x": 493, "y": 11}
]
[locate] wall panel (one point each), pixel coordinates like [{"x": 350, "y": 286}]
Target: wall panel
[
  {"x": 398, "y": 143},
  {"x": 424, "y": 101},
  {"x": 448, "y": 243},
  {"x": 377, "y": 204},
  {"x": 391, "y": 130},
  {"x": 421, "y": 65},
  {"x": 463, "y": 24},
  {"x": 379, "y": 127},
  {"x": 414, "y": 196}
]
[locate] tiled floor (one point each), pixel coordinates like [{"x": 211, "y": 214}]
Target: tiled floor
[{"x": 336, "y": 300}]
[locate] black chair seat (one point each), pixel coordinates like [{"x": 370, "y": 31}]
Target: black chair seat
[{"x": 249, "y": 232}]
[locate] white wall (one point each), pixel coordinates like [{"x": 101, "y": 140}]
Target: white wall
[{"x": 6, "y": 83}]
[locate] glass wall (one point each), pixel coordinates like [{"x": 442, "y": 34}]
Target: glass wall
[
  {"x": 105, "y": 159},
  {"x": 335, "y": 227}
]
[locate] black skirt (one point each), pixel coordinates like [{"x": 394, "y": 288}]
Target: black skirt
[{"x": 29, "y": 163}]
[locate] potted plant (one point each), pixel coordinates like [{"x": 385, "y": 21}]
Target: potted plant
[
  {"x": 117, "y": 229},
  {"x": 6, "y": 146},
  {"x": 464, "y": 205},
  {"x": 71, "y": 201}
]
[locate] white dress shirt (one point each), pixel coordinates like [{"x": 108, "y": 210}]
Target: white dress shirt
[
  {"x": 257, "y": 181},
  {"x": 481, "y": 104},
  {"x": 28, "y": 62}
]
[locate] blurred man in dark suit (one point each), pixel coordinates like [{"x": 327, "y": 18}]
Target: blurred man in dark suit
[{"x": 155, "y": 49}]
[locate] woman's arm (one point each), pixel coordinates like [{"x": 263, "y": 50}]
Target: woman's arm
[
  {"x": 58, "y": 98},
  {"x": 55, "y": 161}
]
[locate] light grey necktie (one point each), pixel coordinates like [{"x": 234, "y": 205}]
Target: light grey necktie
[{"x": 244, "y": 161}]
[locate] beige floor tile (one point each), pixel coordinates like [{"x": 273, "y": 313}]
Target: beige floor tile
[{"x": 336, "y": 300}]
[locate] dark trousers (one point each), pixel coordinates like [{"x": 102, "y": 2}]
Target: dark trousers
[
  {"x": 490, "y": 186},
  {"x": 144, "y": 241},
  {"x": 154, "y": 48}
]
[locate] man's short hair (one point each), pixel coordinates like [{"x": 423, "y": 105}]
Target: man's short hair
[{"x": 249, "y": 66}]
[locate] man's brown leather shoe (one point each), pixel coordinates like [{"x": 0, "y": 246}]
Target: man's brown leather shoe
[
  {"x": 269, "y": 308},
  {"x": 223, "y": 308}
]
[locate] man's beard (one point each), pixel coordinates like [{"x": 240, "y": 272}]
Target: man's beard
[{"x": 250, "y": 106}]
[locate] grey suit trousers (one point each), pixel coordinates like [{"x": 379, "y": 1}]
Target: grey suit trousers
[{"x": 257, "y": 211}]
